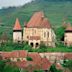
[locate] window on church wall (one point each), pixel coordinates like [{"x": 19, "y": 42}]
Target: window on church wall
[
  {"x": 47, "y": 34},
  {"x": 33, "y": 31},
  {"x": 44, "y": 34},
  {"x": 27, "y": 37}
]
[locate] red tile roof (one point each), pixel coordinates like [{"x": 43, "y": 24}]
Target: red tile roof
[
  {"x": 5, "y": 55},
  {"x": 69, "y": 28},
  {"x": 45, "y": 64},
  {"x": 21, "y": 64},
  {"x": 42, "y": 63},
  {"x": 27, "y": 65},
  {"x": 17, "y": 25},
  {"x": 68, "y": 56},
  {"x": 45, "y": 23},
  {"x": 14, "y": 54},
  {"x": 34, "y": 38},
  {"x": 20, "y": 53},
  {"x": 35, "y": 56},
  {"x": 38, "y": 21}
]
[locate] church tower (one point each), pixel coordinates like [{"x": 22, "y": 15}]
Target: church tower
[{"x": 17, "y": 32}]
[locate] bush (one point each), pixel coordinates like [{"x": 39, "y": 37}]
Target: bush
[{"x": 29, "y": 58}]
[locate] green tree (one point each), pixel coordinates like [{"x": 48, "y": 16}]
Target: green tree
[
  {"x": 10, "y": 68},
  {"x": 67, "y": 64},
  {"x": 2, "y": 64},
  {"x": 29, "y": 58},
  {"x": 54, "y": 69}
]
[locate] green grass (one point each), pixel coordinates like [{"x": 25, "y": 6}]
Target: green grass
[{"x": 15, "y": 46}]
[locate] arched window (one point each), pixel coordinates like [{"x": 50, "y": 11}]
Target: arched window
[
  {"x": 37, "y": 44},
  {"x": 31, "y": 44},
  {"x": 46, "y": 34}
]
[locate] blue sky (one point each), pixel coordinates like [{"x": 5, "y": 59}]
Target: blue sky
[{"x": 7, "y": 3}]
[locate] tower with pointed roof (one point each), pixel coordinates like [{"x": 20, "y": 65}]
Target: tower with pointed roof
[
  {"x": 17, "y": 32},
  {"x": 68, "y": 35}
]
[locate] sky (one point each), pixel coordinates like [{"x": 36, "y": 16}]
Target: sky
[{"x": 7, "y": 3}]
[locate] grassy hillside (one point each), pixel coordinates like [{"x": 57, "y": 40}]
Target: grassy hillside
[{"x": 54, "y": 11}]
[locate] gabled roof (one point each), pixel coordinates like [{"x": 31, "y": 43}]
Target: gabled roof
[
  {"x": 45, "y": 64},
  {"x": 69, "y": 27},
  {"x": 45, "y": 23},
  {"x": 6, "y": 54},
  {"x": 68, "y": 56},
  {"x": 19, "y": 53},
  {"x": 17, "y": 25},
  {"x": 38, "y": 21},
  {"x": 14, "y": 54},
  {"x": 35, "y": 56}
]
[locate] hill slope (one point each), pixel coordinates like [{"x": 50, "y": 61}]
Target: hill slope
[{"x": 54, "y": 11}]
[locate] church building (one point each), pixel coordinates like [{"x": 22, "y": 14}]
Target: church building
[{"x": 37, "y": 31}]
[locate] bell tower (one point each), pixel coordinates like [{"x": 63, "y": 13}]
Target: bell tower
[{"x": 17, "y": 32}]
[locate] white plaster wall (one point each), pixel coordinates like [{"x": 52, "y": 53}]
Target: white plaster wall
[{"x": 17, "y": 36}]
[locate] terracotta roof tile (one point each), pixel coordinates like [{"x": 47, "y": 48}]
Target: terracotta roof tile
[
  {"x": 45, "y": 64},
  {"x": 69, "y": 29},
  {"x": 35, "y": 56},
  {"x": 6, "y": 54},
  {"x": 20, "y": 53},
  {"x": 45, "y": 23},
  {"x": 68, "y": 56},
  {"x": 17, "y": 25},
  {"x": 38, "y": 21},
  {"x": 21, "y": 64}
]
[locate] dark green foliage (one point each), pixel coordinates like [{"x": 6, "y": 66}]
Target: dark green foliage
[
  {"x": 38, "y": 71},
  {"x": 9, "y": 68},
  {"x": 67, "y": 64},
  {"x": 54, "y": 69},
  {"x": 29, "y": 58},
  {"x": 10, "y": 46},
  {"x": 2, "y": 64},
  {"x": 42, "y": 48},
  {"x": 60, "y": 33},
  {"x": 5, "y": 67}
]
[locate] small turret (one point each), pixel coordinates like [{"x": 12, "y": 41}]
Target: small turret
[{"x": 17, "y": 32}]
